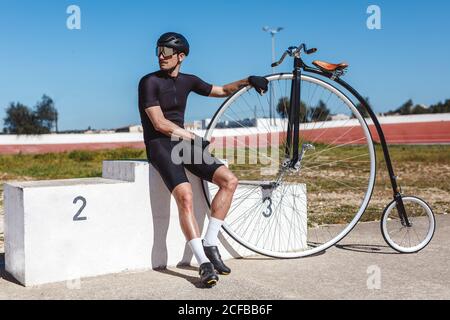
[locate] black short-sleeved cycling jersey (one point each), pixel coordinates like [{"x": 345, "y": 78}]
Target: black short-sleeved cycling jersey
[{"x": 159, "y": 89}]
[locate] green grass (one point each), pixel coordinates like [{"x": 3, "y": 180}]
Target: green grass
[
  {"x": 421, "y": 153},
  {"x": 405, "y": 159},
  {"x": 422, "y": 171},
  {"x": 75, "y": 164}
]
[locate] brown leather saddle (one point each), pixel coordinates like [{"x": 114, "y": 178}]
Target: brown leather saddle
[{"x": 330, "y": 67}]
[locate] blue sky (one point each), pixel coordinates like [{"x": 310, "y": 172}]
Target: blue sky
[{"x": 92, "y": 73}]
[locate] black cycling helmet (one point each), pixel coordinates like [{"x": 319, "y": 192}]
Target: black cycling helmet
[{"x": 175, "y": 41}]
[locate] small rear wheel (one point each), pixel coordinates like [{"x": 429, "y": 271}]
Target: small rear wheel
[{"x": 408, "y": 239}]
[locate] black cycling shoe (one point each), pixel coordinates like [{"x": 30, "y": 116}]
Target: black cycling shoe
[
  {"x": 207, "y": 274},
  {"x": 214, "y": 256}
]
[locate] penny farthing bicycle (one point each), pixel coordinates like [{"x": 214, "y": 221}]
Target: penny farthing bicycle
[{"x": 305, "y": 159}]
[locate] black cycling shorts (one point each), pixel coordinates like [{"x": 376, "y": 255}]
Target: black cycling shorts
[{"x": 171, "y": 164}]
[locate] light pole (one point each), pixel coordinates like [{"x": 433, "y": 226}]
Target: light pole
[
  {"x": 56, "y": 120},
  {"x": 272, "y": 32}
]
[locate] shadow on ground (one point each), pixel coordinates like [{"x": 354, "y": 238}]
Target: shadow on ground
[
  {"x": 193, "y": 280},
  {"x": 366, "y": 248},
  {"x": 270, "y": 258},
  {"x": 3, "y": 274}
]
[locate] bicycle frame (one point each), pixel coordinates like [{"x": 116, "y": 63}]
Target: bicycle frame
[{"x": 294, "y": 126}]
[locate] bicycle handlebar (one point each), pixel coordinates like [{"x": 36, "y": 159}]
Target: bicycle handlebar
[
  {"x": 311, "y": 51},
  {"x": 275, "y": 64},
  {"x": 294, "y": 51}
]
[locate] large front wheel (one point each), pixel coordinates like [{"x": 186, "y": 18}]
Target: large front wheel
[{"x": 293, "y": 210}]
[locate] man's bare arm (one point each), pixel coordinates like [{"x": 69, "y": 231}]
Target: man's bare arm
[
  {"x": 166, "y": 127},
  {"x": 228, "y": 89}
]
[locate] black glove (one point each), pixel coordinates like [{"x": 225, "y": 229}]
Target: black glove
[{"x": 259, "y": 83}]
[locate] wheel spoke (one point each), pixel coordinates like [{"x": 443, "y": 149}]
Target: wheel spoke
[
  {"x": 414, "y": 237},
  {"x": 312, "y": 208}
]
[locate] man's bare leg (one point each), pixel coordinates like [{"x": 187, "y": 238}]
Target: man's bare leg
[
  {"x": 227, "y": 183},
  {"x": 220, "y": 205},
  {"x": 183, "y": 196}
]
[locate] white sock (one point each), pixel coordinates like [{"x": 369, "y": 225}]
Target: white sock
[
  {"x": 197, "y": 249},
  {"x": 211, "y": 236}
]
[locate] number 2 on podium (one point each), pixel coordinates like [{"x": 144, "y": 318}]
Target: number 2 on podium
[{"x": 77, "y": 217}]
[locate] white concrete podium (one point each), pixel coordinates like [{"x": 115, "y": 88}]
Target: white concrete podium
[{"x": 61, "y": 230}]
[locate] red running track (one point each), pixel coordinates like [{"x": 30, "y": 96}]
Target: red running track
[
  {"x": 50, "y": 148},
  {"x": 402, "y": 133}
]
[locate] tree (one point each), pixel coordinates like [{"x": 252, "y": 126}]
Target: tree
[
  {"x": 20, "y": 119},
  {"x": 406, "y": 107},
  {"x": 409, "y": 108},
  {"x": 303, "y": 112},
  {"x": 319, "y": 113},
  {"x": 441, "y": 107},
  {"x": 283, "y": 107},
  {"x": 362, "y": 110},
  {"x": 418, "y": 109},
  {"x": 46, "y": 113}
]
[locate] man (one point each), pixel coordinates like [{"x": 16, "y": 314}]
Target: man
[{"x": 162, "y": 103}]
